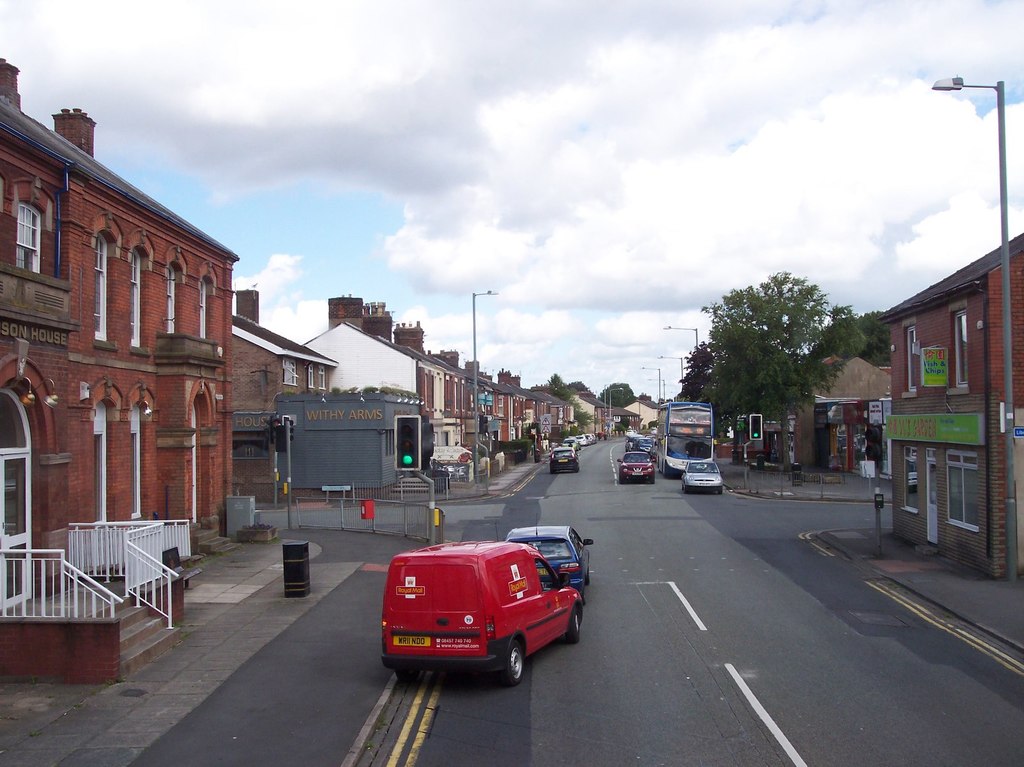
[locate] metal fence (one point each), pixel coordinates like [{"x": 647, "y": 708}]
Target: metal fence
[{"x": 407, "y": 518}]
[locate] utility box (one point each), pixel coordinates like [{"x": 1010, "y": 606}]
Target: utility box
[
  {"x": 366, "y": 509},
  {"x": 241, "y": 512}
]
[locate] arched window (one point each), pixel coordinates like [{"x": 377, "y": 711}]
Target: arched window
[
  {"x": 99, "y": 311},
  {"x": 204, "y": 291},
  {"x": 135, "y": 297},
  {"x": 171, "y": 279},
  {"x": 136, "y": 462},
  {"x": 28, "y": 238}
]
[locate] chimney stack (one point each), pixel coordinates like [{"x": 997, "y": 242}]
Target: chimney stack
[
  {"x": 9, "y": 84},
  {"x": 77, "y": 127},
  {"x": 410, "y": 336},
  {"x": 344, "y": 309},
  {"x": 247, "y": 304}
]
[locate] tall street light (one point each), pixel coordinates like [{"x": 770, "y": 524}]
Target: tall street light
[
  {"x": 955, "y": 84},
  {"x": 681, "y": 361},
  {"x": 696, "y": 335},
  {"x": 608, "y": 405},
  {"x": 476, "y": 396},
  {"x": 659, "y": 380}
]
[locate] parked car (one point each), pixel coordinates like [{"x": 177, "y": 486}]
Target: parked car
[
  {"x": 702, "y": 476},
  {"x": 474, "y": 606},
  {"x": 636, "y": 466},
  {"x": 563, "y": 459},
  {"x": 563, "y": 547}
]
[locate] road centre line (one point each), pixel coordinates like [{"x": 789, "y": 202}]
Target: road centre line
[
  {"x": 686, "y": 604},
  {"x": 765, "y": 717}
]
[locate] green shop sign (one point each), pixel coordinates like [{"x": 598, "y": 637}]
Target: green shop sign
[
  {"x": 934, "y": 366},
  {"x": 959, "y": 429}
]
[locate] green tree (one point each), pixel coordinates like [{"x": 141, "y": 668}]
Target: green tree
[
  {"x": 697, "y": 381},
  {"x": 876, "y": 340},
  {"x": 617, "y": 394},
  {"x": 771, "y": 344}
]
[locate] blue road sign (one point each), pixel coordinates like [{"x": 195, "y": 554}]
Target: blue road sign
[{"x": 1018, "y": 432}]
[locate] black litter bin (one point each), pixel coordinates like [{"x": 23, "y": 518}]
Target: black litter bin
[
  {"x": 798, "y": 474},
  {"x": 296, "y": 568}
]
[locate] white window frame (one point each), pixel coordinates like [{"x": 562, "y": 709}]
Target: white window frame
[
  {"x": 960, "y": 337},
  {"x": 99, "y": 309},
  {"x": 321, "y": 373},
  {"x": 310, "y": 381},
  {"x": 171, "y": 280},
  {"x": 135, "y": 297},
  {"x": 204, "y": 287},
  {"x": 291, "y": 375},
  {"x": 958, "y": 464},
  {"x": 913, "y": 360},
  {"x": 28, "y": 237},
  {"x": 135, "y": 462}
]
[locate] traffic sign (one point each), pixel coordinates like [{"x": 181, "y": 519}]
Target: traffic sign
[{"x": 1018, "y": 432}]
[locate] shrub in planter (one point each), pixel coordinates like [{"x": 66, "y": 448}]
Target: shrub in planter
[{"x": 261, "y": 533}]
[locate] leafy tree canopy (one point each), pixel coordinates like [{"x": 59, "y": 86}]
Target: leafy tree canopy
[
  {"x": 697, "y": 381},
  {"x": 876, "y": 340},
  {"x": 618, "y": 394},
  {"x": 771, "y": 344}
]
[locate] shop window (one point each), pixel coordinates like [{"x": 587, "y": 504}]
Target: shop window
[
  {"x": 962, "y": 475},
  {"x": 910, "y": 497}
]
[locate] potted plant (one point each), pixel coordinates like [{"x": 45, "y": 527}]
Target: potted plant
[{"x": 259, "y": 533}]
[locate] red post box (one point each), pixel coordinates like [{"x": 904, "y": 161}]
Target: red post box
[{"x": 366, "y": 509}]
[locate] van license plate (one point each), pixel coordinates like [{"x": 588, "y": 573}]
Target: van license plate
[{"x": 404, "y": 641}]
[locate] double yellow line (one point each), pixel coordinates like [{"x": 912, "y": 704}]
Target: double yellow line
[
  {"x": 950, "y": 627},
  {"x": 428, "y": 681}
]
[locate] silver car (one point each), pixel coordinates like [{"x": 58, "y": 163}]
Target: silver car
[{"x": 702, "y": 476}]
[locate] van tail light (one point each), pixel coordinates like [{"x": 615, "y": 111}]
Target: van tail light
[{"x": 489, "y": 626}]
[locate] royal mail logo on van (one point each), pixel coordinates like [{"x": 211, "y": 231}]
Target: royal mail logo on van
[
  {"x": 410, "y": 590},
  {"x": 518, "y": 584}
]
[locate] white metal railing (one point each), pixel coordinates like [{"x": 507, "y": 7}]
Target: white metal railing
[
  {"x": 147, "y": 579},
  {"x": 99, "y": 548},
  {"x": 41, "y": 583}
]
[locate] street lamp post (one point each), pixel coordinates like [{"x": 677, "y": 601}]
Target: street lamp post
[
  {"x": 608, "y": 406},
  {"x": 696, "y": 335},
  {"x": 476, "y": 396},
  {"x": 659, "y": 380},
  {"x": 681, "y": 361},
  {"x": 955, "y": 84}
]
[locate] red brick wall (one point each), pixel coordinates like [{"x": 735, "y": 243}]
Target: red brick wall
[{"x": 83, "y": 652}]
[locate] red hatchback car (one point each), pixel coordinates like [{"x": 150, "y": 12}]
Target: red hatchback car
[{"x": 636, "y": 466}]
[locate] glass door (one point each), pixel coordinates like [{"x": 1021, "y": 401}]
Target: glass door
[{"x": 16, "y": 531}]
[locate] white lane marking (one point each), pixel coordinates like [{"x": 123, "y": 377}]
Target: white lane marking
[
  {"x": 765, "y": 717},
  {"x": 686, "y": 604},
  {"x": 689, "y": 609}
]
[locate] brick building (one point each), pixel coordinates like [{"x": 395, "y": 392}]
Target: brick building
[
  {"x": 115, "y": 341},
  {"x": 947, "y": 449}
]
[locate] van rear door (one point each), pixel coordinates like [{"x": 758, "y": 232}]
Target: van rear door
[{"x": 434, "y": 609}]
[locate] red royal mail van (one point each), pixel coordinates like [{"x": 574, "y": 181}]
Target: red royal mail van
[{"x": 480, "y": 606}]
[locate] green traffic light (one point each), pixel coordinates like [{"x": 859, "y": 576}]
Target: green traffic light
[{"x": 407, "y": 460}]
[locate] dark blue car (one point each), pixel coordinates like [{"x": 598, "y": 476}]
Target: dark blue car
[{"x": 563, "y": 547}]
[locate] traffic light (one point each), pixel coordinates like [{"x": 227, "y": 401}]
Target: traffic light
[
  {"x": 873, "y": 443},
  {"x": 754, "y": 424},
  {"x": 408, "y": 432},
  {"x": 272, "y": 423},
  {"x": 426, "y": 442},
  {"x": 282, "y": 434}
]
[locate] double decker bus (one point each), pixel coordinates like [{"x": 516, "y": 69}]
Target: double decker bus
[{"x": 686, "y": 432}]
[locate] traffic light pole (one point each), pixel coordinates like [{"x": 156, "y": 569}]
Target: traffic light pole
[{"x": 288, "y": 465}]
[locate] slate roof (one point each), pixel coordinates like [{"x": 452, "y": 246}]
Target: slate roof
[
  {"x": 971, "y": 274},
  {"x": 275, "y": 343},
  {"x": 19, "y": 125}
]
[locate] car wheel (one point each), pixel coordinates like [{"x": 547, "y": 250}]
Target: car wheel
[
  {"x": 685, "y": 490},
  {"x": 651, "y": 480},
  {"x": 586, "y": 578},
  {"x": 406, "y": 675},
  {"x": 720, "y": 490},
  {"x": 552, "y": 471},
  {"x": 512, "y": 674},
  {"x": 576, "y": 470},
  {"x": 572, "y": 634}
]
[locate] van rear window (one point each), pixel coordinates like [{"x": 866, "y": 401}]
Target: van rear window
[{"x": 440, "y": 588}]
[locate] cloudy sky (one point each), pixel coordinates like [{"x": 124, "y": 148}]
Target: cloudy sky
[{"x": 608, "y": 168}]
